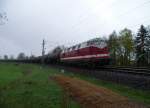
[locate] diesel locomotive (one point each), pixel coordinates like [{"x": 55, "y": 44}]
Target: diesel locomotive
[{"x": 92, "y": 52}]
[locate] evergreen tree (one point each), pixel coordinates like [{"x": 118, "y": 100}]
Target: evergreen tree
[
  {"x": 141, "y": 45},
  {"x": 148, "y": 43}
]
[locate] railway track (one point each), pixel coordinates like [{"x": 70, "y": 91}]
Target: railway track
[
  {"x": 128, "y": 70},
  {"x": 134, "y": 77}
]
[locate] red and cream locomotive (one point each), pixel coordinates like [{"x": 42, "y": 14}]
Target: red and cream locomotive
[{"x": 94, "y": 51}]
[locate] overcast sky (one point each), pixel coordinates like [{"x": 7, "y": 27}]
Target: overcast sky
[{"x": 65, "y": 22}]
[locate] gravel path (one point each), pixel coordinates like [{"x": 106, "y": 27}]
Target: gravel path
[{"x": 92, "y": 96}]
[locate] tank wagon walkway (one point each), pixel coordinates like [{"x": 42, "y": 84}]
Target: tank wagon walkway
[{"x": 92, "y": 96}]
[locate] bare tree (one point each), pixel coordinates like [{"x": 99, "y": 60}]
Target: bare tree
[
  {"x": 5, "y": 57},
  {"x": 21, "y": 56},
  {"x": 3, "y": 18}
]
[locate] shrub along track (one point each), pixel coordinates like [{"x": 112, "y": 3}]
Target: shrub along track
[{"x": 91, "y": 96}]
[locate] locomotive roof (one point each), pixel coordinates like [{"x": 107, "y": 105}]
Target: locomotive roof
[
  {"x": 84, "y": 44},
  {"x": 96, "y": 39}
]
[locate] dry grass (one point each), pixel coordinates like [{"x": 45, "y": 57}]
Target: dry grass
[{"x": 92, "y": 96}]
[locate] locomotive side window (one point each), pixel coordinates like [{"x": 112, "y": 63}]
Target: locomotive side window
[
  {"x": 76, "y": 47},
  {"x": 83, "y": 45},
  {"x": 73, "y": 48},
  {"x": 65, "y": 50},
  {"x": 79, "y": 46},
  {"x": 70, "y": 49}
]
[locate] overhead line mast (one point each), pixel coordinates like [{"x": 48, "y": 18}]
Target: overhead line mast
[{"x": 43, "y": 51}]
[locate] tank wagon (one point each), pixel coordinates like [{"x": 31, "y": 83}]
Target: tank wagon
[{"x": 53, "y": 56}]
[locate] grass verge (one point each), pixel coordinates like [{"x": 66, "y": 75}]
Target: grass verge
[{"x": 29, "y": 86}]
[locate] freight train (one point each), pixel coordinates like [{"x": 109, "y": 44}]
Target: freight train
[{"x": 92, "y": 53}]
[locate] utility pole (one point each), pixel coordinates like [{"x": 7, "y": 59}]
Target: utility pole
[
  {"x": 148, "y": 57},
  {"x": 43, "y": 51}
]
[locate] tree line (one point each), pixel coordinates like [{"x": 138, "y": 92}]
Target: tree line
[
  {"x": 21, "y": 56},
  {"x": 125, "y": 47},
  {"x": 128, "y": 49}
]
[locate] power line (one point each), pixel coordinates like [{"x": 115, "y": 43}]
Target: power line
[
  {"x": 81, "y": 21},
  {"x": 137, "y": 7},
  {"x": 84, "y": 18},
  {"x": 141, "y": 22}
]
